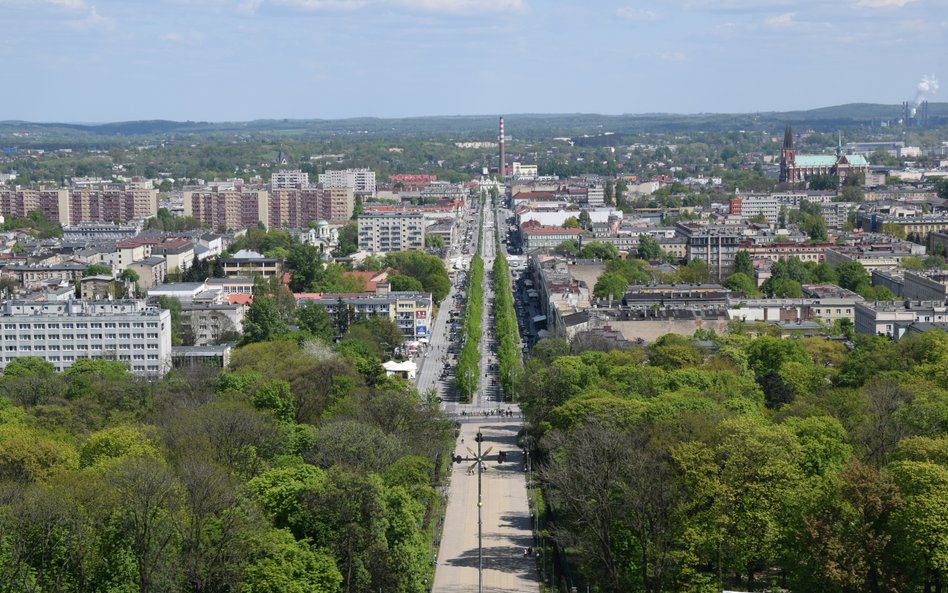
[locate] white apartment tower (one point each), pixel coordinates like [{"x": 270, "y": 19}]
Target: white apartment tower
[
  {"x": 362, "y": 181},
  {"x": 383, "y": 232},
  {"x": 289, "y": 179}
]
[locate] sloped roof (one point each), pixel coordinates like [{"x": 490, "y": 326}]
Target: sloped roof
[{"x": 815, "y": 160}]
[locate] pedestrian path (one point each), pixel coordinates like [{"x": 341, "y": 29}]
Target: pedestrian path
[{"x": 507, "y": 524}]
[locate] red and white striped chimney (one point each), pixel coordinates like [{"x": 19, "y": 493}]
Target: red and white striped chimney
[{"x": 502, "y": 167}]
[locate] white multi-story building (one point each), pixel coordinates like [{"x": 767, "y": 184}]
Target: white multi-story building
[
  {"x": 362, "y": 181},
  {"x": 382, "y": 232},
  {"x": 595, "y": 195},
  {"x": 286, "y": 179},
  {"x": 63, "y": 332}
]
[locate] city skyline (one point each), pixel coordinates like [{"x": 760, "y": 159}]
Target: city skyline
[{"x": 236, "y": 60}]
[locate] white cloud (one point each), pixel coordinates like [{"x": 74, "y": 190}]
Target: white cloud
[
  {"x": 781, "y": 21},
  {"x": 636, "y": 14},
  {"x": 451, "y": 6},
  {"x": 463, "y": 5},
  {"x": 68, "y": 4},
  {"x": 883, "y": 3},
  {"x": 249, "y": 7},
  {"x": 186, "y": 38},
  {"x": 92, "y": 21},
  {"x": 673, "y": 56},
  {"x": 314, "y": 5}
]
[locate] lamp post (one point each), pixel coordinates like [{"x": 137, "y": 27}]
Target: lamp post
[{"x": 478, "y": 459}]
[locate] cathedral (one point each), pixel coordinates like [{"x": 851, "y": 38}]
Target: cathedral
[{"x": 795, "y": 167}]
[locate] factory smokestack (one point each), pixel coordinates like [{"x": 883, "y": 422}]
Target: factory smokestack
[
  {"x": 927, "y": 86},
  {"x": 502, "y": 167}
]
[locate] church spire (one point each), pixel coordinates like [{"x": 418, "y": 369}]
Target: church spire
[
  {"x": 839, "y": 145},
  {"x": 788, "y": 138}
]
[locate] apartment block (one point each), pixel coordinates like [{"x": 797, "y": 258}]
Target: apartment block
[
  {"x": 108, "y": 202},
  {"x": 717, "y": 247},
  {"x": 228, "y": 208},
  {"x": 288, "y": 179},
  {"x": 63, "y": 332},
  {"x": 362, "y": 181},
  {"x": 297, "y": 207},
  {"x": 382, "y": 232}
]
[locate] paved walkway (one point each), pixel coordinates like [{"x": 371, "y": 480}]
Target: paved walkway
[
  {"x": 506, "y": 517},
  {"x": 507, "y": 529}
]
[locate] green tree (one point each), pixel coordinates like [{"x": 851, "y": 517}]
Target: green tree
[
  {"x": 263, "y": 322},
  {"x": 568, "y": 247},
  {"x": 852, "y": 275},
  {"x": 649, "y": 248},
  {"x": 599, "y": 250},
  {"x": 941, "y": 187},
  {"x": 743, "y": 264},
  {"x": 742, "y": 283},
  {"x": 694, "y": 272},
  {"x": 348, "y": 240},
  {"x": 571, "y": 223},
  {"x": 585, "y": 221},
  {"x": 401, "y": 282},
  {"x": 610, "y": 285},
  {"x": 316, "y": 320},
  {"x": 434, "y": 241},
  {"x": 96, "y": 270},
  {"x": 281, "y": 564}
]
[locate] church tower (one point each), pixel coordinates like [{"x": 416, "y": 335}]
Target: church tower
[{"x": 788, "y": 158}]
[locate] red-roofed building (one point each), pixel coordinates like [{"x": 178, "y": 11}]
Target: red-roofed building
[
  {"x": 240, "y": 298},
  {"x": 371, "y": 279}
]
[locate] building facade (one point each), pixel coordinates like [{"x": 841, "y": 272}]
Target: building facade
[
  {"x": 411, "y": 311},
  {"x": 103, "y": 203},
  {"x": 128, "y": 331},
  {"x": 229, "y": 209},
  {"x": 382, "y": 232},
  {"x": 795, "y": 168},
  {"x": 362, "y": 181}
]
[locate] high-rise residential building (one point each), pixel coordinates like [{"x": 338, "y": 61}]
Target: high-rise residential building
[
  {"x": 362, "y": 181},
  {"x": 716, "y": 247},
  {"x": 106, "y": 202},
  {"x": 63, "y": 332},
  {"x": 240, "y": 208},
  {"x": 289, "y": 178},
  {"x": 230, "y": 209},
  {"x": 296, "y": 208},
  {"x": 382, "y": 232},
  {"x": 338, "y": 205}
]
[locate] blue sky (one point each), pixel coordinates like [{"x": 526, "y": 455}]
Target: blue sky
[{"x": 216, "y": 60}]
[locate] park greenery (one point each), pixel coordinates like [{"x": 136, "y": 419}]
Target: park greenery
[
  {"x": 299, "y": 468},
  {"x": 758, "y": 463},
  {"x": 467, "y": 371},
  {"x": 36, "y": 223},
  {"x": 505, "y": 324}
]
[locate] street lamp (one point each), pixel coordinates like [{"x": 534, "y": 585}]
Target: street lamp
[{"x": 478, "y": 459}]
